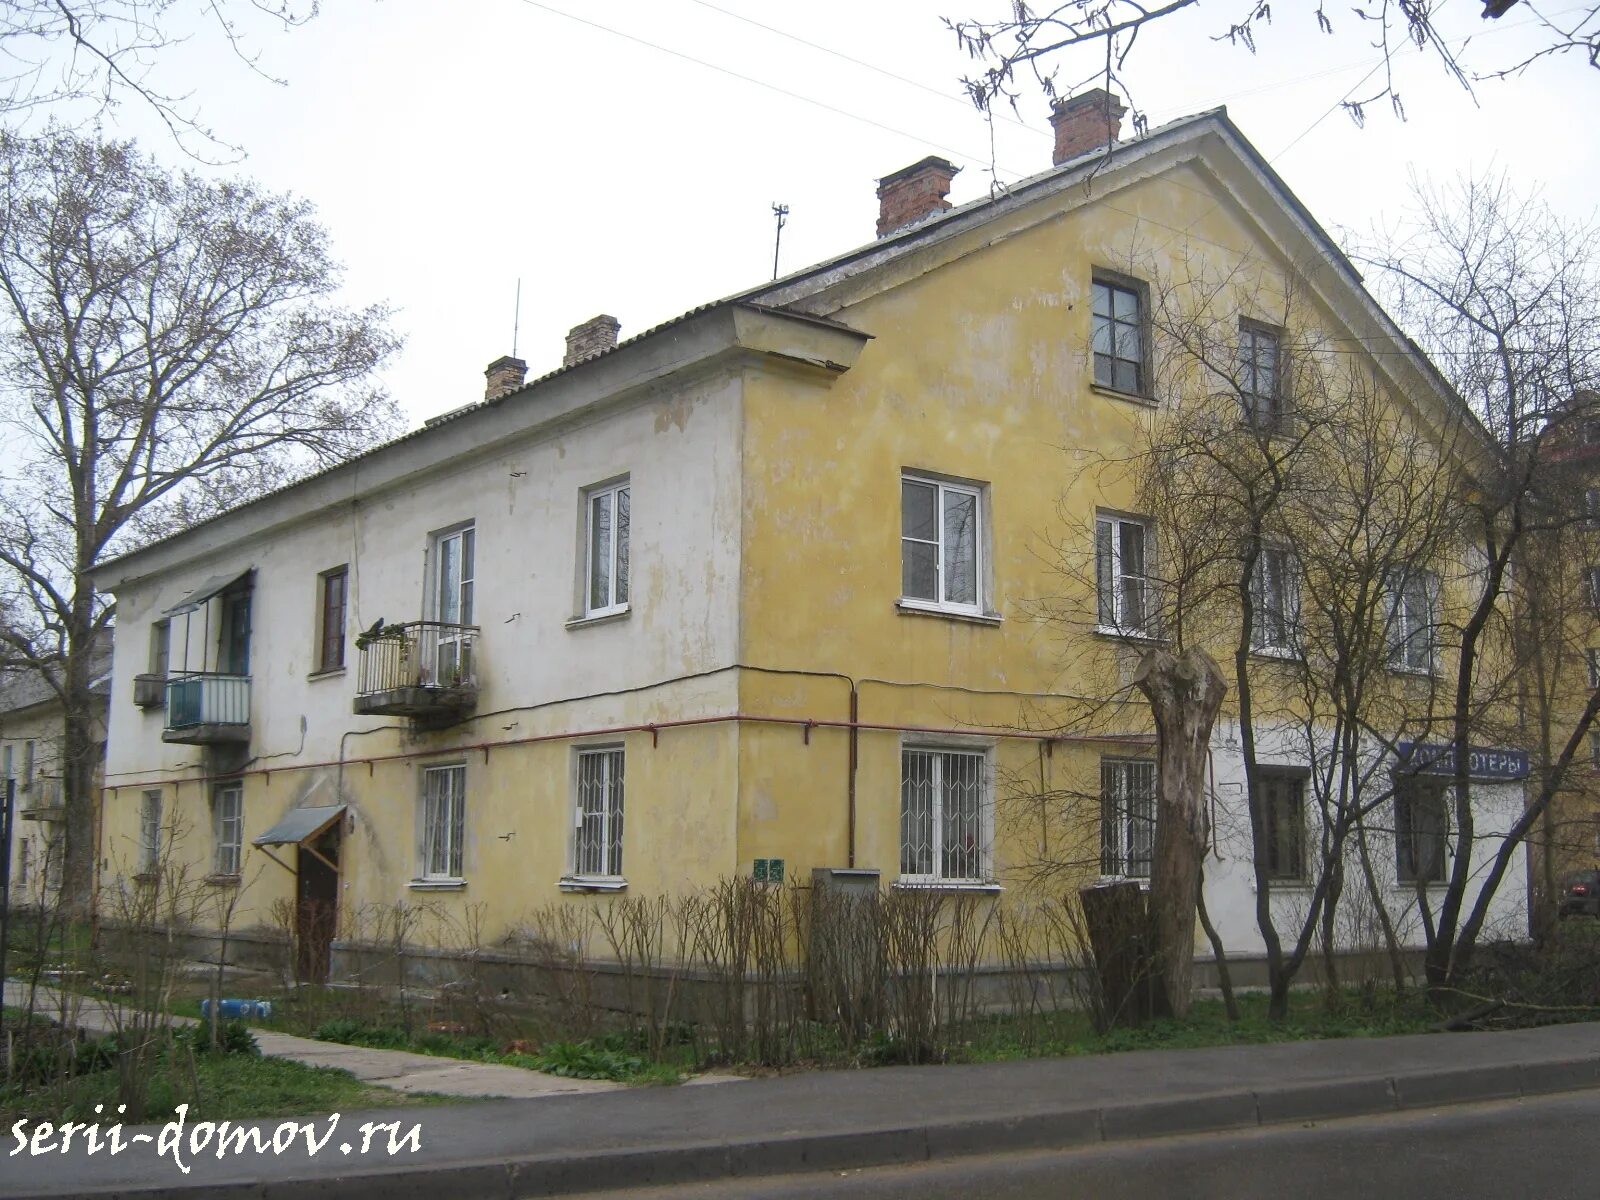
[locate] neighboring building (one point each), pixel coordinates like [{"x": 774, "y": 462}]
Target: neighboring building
[
  {"x": 756, "y": 591},
  {"x": 30, "y": 759}
]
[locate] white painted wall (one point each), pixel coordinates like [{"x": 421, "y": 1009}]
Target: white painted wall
[
  {"x": 1230, "y": 882},
  {"x": 680, "y": 450}
]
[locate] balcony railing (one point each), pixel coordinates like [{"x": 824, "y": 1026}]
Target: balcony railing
[
  {"x": 418, "y": 669},
  {"x": 204, "y": 706}
]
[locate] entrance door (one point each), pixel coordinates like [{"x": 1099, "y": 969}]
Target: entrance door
[{"x": 317, "y": 911}]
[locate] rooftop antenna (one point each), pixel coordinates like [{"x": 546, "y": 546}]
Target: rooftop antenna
[
  {"x": 781, "y": 212},
  {"x": 516, "y": 318}
]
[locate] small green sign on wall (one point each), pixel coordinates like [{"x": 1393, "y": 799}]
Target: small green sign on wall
[{"x": 769, "y": 870}]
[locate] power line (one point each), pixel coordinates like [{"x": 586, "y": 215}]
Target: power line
[{"x": 761, "y": 83}]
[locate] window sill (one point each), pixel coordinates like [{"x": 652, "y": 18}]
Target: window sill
[
  {"x": 219, "y": 880},
  {"x": 964, "y": 886},
  {"x": 147, "y": 878},
  {"x": 598, "y": 618},
  {"x": 1130, "y": 635},
  {"x": 437, "y": 885},
  {"x": 1142, "y": 880},
  {"x": 1414, "y": 672},
  {"x": 604, "y": 883},
  {"x": 1277, "y": 654},
  {"x": 914, "y": 608},
  {"x": 1130, "y": 397},
  {"x": 1284, "y": 885},
  {"x": 330, "y": 673}
]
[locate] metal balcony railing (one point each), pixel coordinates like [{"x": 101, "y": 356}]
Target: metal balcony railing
[
  {"x": 431, "y": 655},
  {"x": 196, "y": 698}
]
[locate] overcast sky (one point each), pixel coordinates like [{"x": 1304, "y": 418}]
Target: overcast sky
[{"x": 623, "y": 157}]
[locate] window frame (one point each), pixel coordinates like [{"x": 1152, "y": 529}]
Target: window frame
[
  {"x": 149, "y": 831},
  {"x": 227, "y": 860},
  {"x": 613, "y": 797},
  {"x": 617, "y": 599},
  {"x": 1118, "y": 821},
  {"x": 980, "y": 557},
  {"x": 160, "y": 661},
  {"x": 1402, "y": 631},
  {"x": 1118, "y": 625},
  {"x": 1272, "y": 784},
  {"x": 326, "y": 636},
  {"x": 1137, "y": 288},
  {"x": 1406, "y": 790},
  {"x": 1272, "y": 419},
  {"x": 454, "y": 797},
  {"x": 1290, "y": 615},
  {"x": 1591, "y": 658},
  {"x": 978, "y": 761}
]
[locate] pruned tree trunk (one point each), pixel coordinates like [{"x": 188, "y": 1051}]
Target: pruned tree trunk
[{"x": 1185, "y": 692}]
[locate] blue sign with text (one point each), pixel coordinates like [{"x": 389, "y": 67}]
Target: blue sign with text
[{"x": 1483, "y": 762}]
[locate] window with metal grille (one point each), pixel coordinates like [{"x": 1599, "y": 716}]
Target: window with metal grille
[
  {"x": 1275, "y": 599},
  {"x": 941, "y": 544},
  {"x": 597, "y": 842},
  {"x": 606, "y": 556},
  {"x": 444, "y": 821},
  {"x": 228, "y": 822},
  {"x": 1283, "y": 816},
  {"x": 1122, "y": 574},
  {"x": 1127, "y": 816},
  {"x": 943, "y": 816},
  {"x": 150, "y": 832},
  {"x": 1118, "y": 336},
  {"x": 1421, "y": 831}
]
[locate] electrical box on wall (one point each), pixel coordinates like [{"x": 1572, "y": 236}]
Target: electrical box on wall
[{"x": 858, "y": 880}]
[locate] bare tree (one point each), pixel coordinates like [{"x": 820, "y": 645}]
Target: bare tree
[
  {"x": 168, "y": 345},
  {"x": 1505, "y": 295},
  {"x": 55, "y": 54},
  {"x": 1095, "y": 39}
]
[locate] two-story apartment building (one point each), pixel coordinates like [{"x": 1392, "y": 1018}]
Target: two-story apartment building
[{"x": 763, "y": 589}]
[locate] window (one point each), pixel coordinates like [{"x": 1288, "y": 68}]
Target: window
[
  {"x": 1122, "y": 574},
  {"x": 24, "y": 861},
  {"x": 452, "y": 607},
  {"x": 1592, "y": 658},
  {"x": 1591, "y": 433},
  {"x": 1412, "y": 599},
  {"x": 1127, "y": 816},
  {"x": 941, "y": 544},
  {"x": 943, "y": 816},
  {"x": 1594, "y": 749},
  {"x": 606, "y": 550},
  {"x": 29, "y": 748},
  {"x": 5, "y": 762},
  {"x": 233, "y": 644},
  {"x": 1283, "y": 812},
  {"x": 1591, "y": 579},
  {"x": 597, "y": 841},
  {"x": 444, "y": 821},
  {"x": 1591, "y": 507},
  {"x": 228, "y": 827},
  {"x": 1259, "y": 385},
  {"x": 1421, "y": 824},
  {"x": 150, "y": 832},
  {"x": 1275, "y": 599},
  {"x": 160, "y": 647},
  {"x": 1117, "y": 336},
  {"x": 334, "y": 589}
]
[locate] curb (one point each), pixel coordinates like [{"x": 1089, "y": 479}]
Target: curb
[{"x": 621, "y": 1169}]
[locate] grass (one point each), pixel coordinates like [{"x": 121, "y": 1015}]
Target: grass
[{"x": 230, "y": 1087}]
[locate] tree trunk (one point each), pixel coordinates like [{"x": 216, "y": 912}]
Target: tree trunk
[
  {"x": 1184, "y": 693},
  {"x": 79, "y": 753}
]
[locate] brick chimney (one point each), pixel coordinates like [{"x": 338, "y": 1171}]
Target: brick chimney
[
  {"x": 504, "y": 376},
  {"x": 1086, "y": 122},
  {"x": 594, "y": 336},
  {"x": 914, "y": 193}
]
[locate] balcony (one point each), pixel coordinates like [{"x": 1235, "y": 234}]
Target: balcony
[
  {"x": 42, "y": 800},
  {"x": 424, "y": 669},
  {"x": 205, "y": 708}
]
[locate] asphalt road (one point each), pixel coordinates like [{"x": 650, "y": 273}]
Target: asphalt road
[{"x": 1542, "y": 1149}]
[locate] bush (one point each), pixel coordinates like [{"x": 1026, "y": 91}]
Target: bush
[
  {"x": 233, "y": 1037},
  {"x": 358, "y": 1033},
  {"x": 585, "y": 1060}
]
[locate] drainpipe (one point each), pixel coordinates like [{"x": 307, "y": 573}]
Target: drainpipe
[{"x": 855, "y": 741}]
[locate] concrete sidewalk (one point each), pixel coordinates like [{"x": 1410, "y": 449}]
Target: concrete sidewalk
[
  {"x": 837, "y": 1120},
  {"x": 397, "y": 1069}
]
